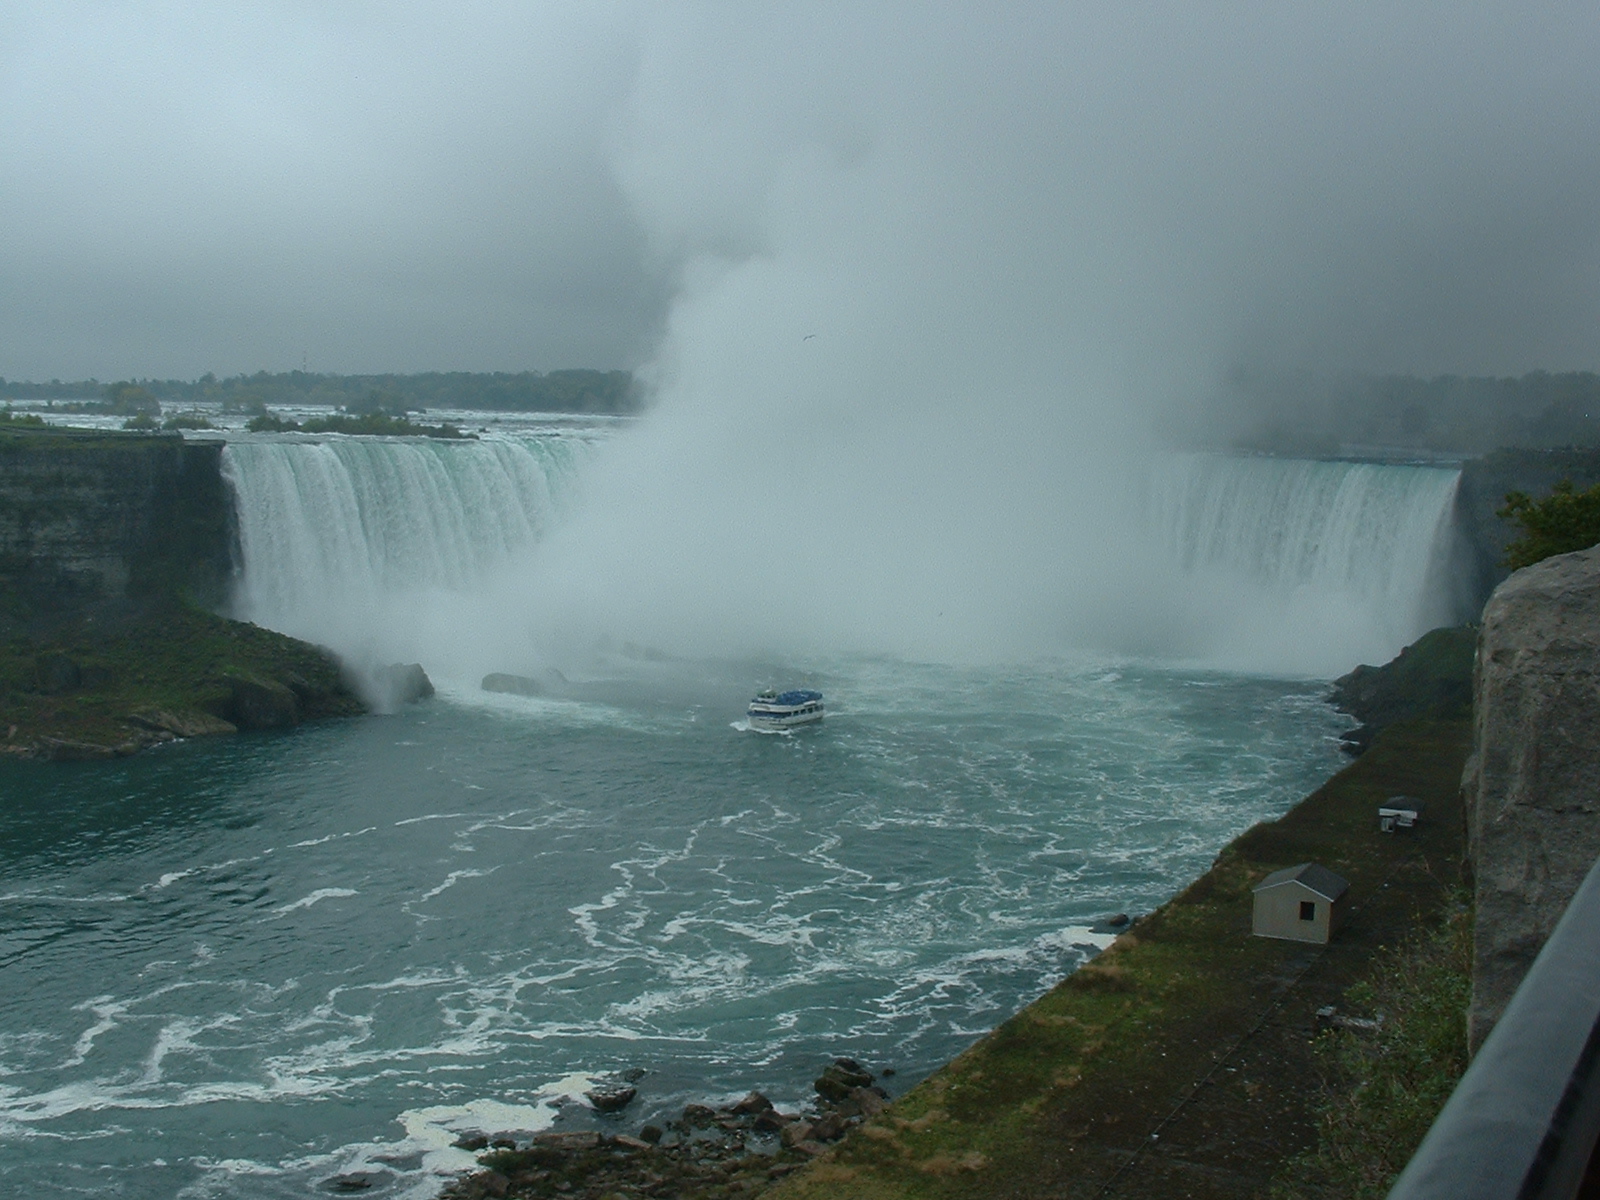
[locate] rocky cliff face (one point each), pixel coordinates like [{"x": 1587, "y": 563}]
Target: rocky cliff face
[
  {"x": 90, "y": 520},
  {"x": 113, "y": 548},
  {"x": 1532, "y": 787}
]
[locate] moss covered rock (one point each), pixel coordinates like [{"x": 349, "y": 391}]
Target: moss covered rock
[{"x": 97, "y": 688}]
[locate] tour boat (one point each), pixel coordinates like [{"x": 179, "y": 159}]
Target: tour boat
[{"x": 785, "y": 710}]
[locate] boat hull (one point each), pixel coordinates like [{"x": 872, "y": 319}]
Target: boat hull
[
  {"x": 771, "y": 711},
  {"x": 783, "y": 720}
]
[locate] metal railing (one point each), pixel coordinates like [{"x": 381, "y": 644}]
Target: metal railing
[{"x": 1522, "y": 1123}]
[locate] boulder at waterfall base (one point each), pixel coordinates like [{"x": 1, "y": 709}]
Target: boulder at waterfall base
[{"x": 1432, "y": 677}]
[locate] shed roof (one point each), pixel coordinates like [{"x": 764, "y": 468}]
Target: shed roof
[{"x": 1311, "y": 875}]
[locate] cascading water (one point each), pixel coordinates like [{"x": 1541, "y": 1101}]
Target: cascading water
[
  {"x": 338, "y": 535},
  {"x": 398, "y": 549},
  {"x": 1296, "y": 550}
]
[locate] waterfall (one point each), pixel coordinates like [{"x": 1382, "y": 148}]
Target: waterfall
[
  {"x": 349, "y": 541},
  {"x": 403, "y": 549},
  {"x": 1359, "y": 545}
]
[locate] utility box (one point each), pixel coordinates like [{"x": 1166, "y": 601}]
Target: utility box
[
  {"x": 1399, "y": 812},
  {"x": 1300, "y": 904}
]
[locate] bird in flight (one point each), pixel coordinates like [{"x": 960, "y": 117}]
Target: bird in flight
[{"x": 808, "y": 337}]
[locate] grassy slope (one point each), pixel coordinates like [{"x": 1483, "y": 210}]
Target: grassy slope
[
  {"x": 175, "y": 658},
  {"x": 1180, "y": 1062},
  {"x": 1387, "y": 1086}
]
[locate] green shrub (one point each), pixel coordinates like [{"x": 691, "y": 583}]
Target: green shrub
[
  {"x": 187, "y": 421},
  {"x": 1563, "y": 521},
  {"x": 269, "y": 422},
  {"x": 373, "y": 424}
]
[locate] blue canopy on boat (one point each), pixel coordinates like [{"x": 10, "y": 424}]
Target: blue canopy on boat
[{"x": 799, "y": 697}]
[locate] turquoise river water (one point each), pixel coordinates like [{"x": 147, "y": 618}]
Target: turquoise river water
[{"x": 236, "y": 968}]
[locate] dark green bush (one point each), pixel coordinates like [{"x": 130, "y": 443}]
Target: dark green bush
[
  {"x": 1563, "y": 521},
  {"x": 187, "y": 421}
]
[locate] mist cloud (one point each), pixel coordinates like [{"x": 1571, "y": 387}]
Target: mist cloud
[{"x": 944, "y": 281}]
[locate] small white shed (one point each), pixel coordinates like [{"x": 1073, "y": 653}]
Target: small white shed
[{"x": 1301, "y": 904}]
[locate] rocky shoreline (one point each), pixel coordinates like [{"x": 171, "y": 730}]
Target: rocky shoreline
[
  {"x": 736, "y": 1149},
  {"x": 1431, "y": 678}
]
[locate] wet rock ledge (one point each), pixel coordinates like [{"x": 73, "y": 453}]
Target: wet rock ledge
[{"x": 711, "y": 1152}]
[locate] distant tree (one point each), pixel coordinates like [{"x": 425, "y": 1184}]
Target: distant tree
[
  {"x": 379, "y": 402},
  {"x": 1563, "y": 521},
  {"x": 270, "y": 422},
  {"x": 130, "y": 398},
  {"x": 9, "y": 416},
  {"x": 192, "y": 420},
  {"x": 373, "y": 424}
]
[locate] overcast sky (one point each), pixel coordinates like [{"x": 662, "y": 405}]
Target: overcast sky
[{"x": 1152, "y": 192}]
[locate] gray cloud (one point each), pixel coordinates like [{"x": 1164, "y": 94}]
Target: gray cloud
[
  {"x": 1126, "y": 195},
  {"x": 192, "y": 187}
]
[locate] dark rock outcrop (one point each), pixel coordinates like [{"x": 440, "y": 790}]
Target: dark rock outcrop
[
  {"x": 514, "y": 685},
  {"x": 612, "y": 1097},
  {"x": 254, "y": 702},
  {"x": 400, "y": 684},
  {"x": 840, "y": 1077},
  {"x": 1532, "y": 786},
  {"x": 183, "y": 723},
  {"x": 1432, "y": 677}
]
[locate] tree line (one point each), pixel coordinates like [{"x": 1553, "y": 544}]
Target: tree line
[
  {"x": 1307, "y": 413},
  {"x": 565, "y": 391}
]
